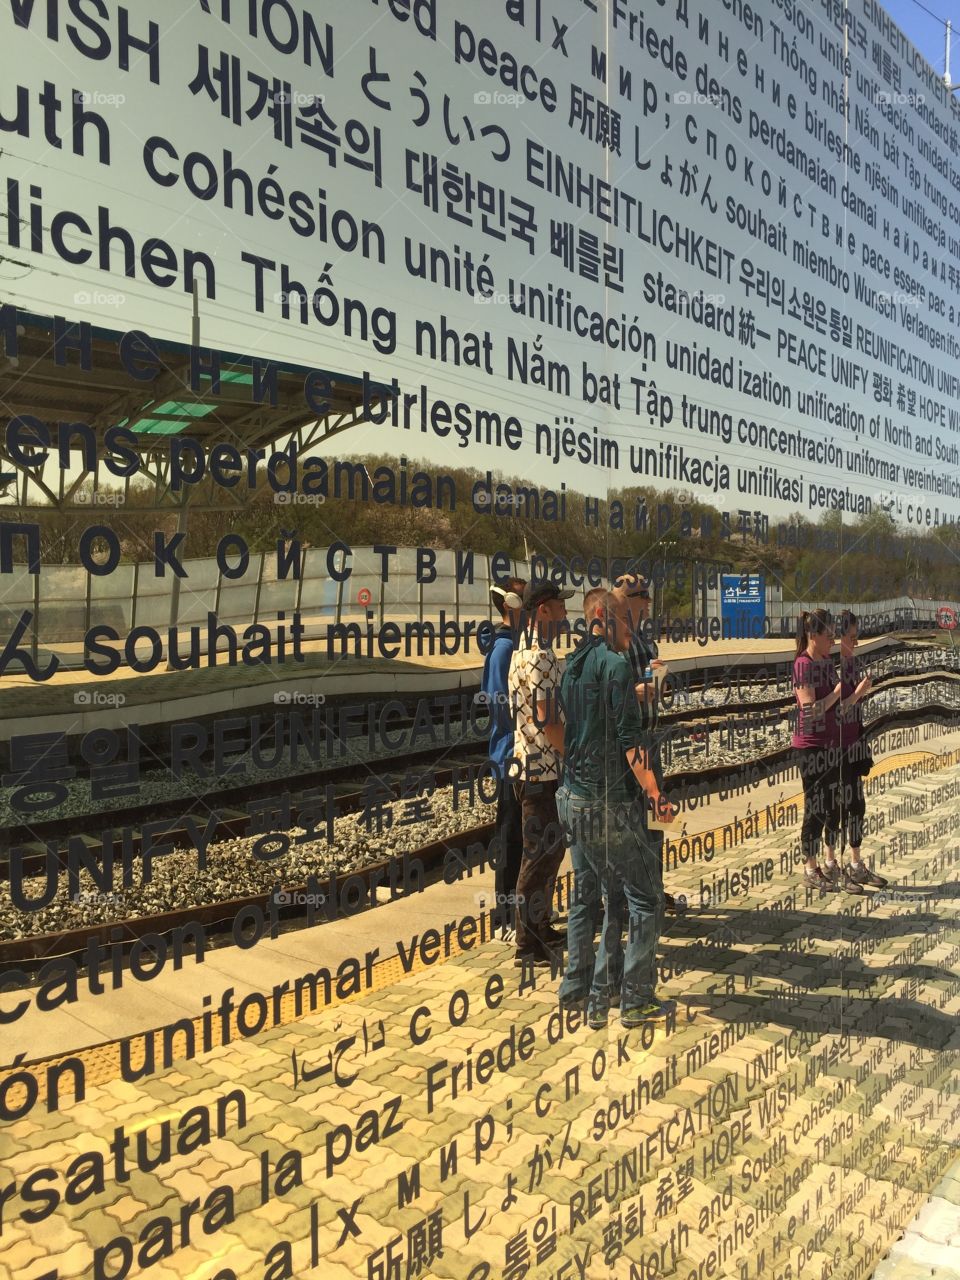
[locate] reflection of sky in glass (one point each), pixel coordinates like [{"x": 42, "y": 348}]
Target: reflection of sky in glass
[
  {"x": 926, "y": 32},
  {"x": 421, "y": 72}
]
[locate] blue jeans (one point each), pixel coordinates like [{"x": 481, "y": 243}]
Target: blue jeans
[{"x": 610, "y": 858}]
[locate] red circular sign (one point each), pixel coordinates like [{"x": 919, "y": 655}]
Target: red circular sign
[
  {"x": 364, "y": 596},
  {"x": 947, "y": 619}
]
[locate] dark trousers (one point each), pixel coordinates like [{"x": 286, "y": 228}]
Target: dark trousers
[
  {"x": 657, "y": 841},
  {"x": 509, "y": 836},
  {"x": 853, "y": 804},
  {"x": 820, "y": 773},
  {"x": 542, "y": 855}
]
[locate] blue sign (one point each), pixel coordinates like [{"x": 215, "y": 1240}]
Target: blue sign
[{"x": 742, "y": 606}]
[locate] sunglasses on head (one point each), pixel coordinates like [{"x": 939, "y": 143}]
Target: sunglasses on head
[{"x": 630, "y": 581}]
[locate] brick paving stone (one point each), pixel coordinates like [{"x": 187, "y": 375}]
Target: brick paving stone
[
  {"x": 19, "y": 1254},
  {"x": 70, "y": 1261},
  {"x": 280, "y": 1117}
]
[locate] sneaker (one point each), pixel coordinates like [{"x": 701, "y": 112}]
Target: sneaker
[
  {"x": 652, "y": 1011},
  {"x": 851, "y": 885},
  {"x": 508, "y": 935},
  {"x": 553, "y": 937},
  {"x": 597, "y": 1019},
  {"x": 861, "y": 874},
  {"x": 669, "y": 901},
  {"x": 817, "y": 879}
]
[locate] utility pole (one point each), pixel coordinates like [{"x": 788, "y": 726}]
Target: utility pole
[
  {"x": 946, "y": 62},
  {"x": 182, "y": 507}
]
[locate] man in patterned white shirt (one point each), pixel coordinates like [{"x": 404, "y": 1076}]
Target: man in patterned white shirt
[{"x": 534, "y": 689}]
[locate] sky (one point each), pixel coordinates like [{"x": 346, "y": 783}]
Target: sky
[
  {"x": 924, "y": 26},
  {"x": 927, "y": 31}
]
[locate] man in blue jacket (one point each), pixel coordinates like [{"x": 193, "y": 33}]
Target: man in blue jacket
[{"x": 507, "y": 598}]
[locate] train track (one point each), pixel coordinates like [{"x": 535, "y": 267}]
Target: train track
[
  {"x": 218, "y": 918},
  {"x": 55, "y": 831}
]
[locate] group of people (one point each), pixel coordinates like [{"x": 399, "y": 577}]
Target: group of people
[
  {"x": 581, "y": 770},
  {"x": 832, "y": 755},
  {"x": 578, "y": 756}
]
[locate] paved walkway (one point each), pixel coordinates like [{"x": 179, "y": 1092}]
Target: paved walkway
[
  {"x": 930, "y": 1248},
  {"x": 801, "y": 1110}
]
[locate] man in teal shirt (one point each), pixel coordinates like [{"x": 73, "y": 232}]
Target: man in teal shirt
[{"x": 606, "y": 755}]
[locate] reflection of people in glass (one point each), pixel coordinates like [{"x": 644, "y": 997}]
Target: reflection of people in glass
[
  {"x": 643, "y": 656},
  {"x": 606, "y": 756},
  {"x": 854, "y": 760},
  {"x": 816, "y": 737},
  {"x": 507, "y": 600},
  {"x": 534, "y": 685}
]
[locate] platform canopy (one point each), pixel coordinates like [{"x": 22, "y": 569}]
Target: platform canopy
[{"x": 34, "y": 382}]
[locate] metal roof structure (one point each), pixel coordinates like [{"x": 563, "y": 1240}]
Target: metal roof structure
[{"x": 43, "y": 377}]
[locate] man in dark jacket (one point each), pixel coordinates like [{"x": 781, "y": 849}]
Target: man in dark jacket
[
  {"x": 507, "y": 600},
  {"x": 607, "y": 782}
]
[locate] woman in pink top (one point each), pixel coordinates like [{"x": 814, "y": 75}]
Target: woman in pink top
[
  {"x": 853, "y": 755},
  {"x": 816, "y": 740}
]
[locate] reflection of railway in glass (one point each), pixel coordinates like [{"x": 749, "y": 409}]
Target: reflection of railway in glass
[{"x": 722, "y": 739}]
